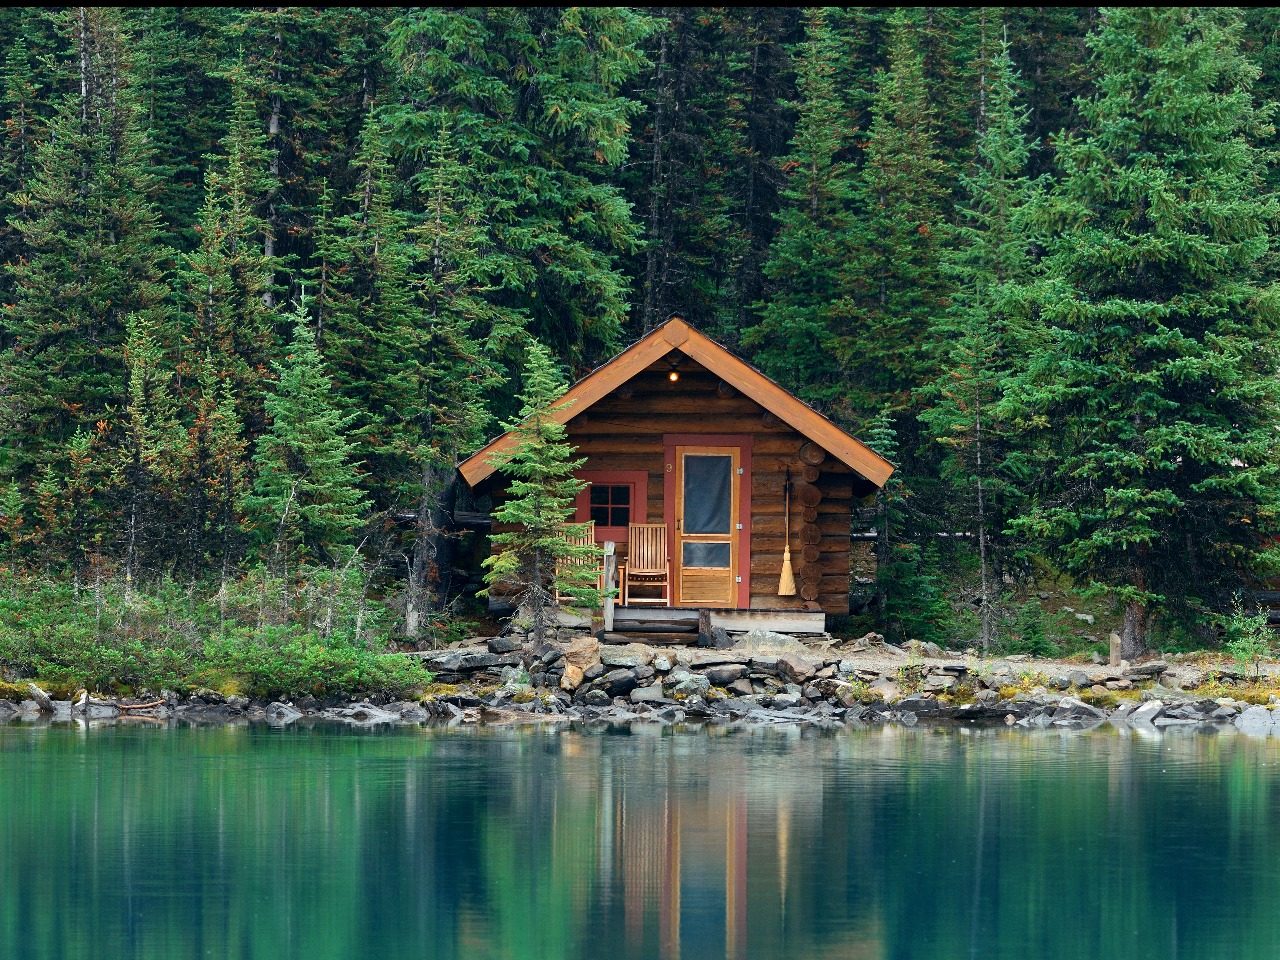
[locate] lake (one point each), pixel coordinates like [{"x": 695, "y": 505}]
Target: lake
[{"x": 754, "y": 843}]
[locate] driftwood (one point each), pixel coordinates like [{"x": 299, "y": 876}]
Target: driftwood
[
  {"x": 40, "y": 697},
  {"x": 142, "y": 706}
]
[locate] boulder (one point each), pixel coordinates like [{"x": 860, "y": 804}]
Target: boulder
[
  {"x": 662, "y": 663},
  {"x": 1144, "y": 715},
  {"x": 796, "y": 669},
  {"x": 725, "y": 674},
  {"x": 364, "y": 714},
  {"x": 650, "y": 694},
  {"x": 596, "y": 698},
  {"x": 469, "y": 661},
  {"x": 1151, "y": 669},
  {"x": 572, "y": 678},
  {"x": 282, "y": 714},
  {"x": 768, "y": 642},
  {"x": 1069, "y": 708},
  {"x": 926, "y": 649},
  {"x": 100, "y": 710},
  {"x": 627, "y": 655},
  {"x": 409, "y": 711},
  {"x": 583, "y": 652},
  {"x": 1079, "y": 679},
  {"x": 888, "y": 690},
  {"x": 718, "y": 639},
  {"x": 507, "y": 644},
  {"x": 741, "y": 688},
  {"x": 1255, "y": 721},
  {"x": 619, "y": 682},
  {"x": 689, "y": 684},
  {"x": 700, "y": 659}
]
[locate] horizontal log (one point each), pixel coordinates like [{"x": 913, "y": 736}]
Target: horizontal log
[
  {"x": 813, "y": 454},
  {"x": 600, "y": 425},
  {"x": 770, "y": 564},
  {"x": 771, "y": 525}
]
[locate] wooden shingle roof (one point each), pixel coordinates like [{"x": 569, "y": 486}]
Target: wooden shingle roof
[{"x": 676, "y": 334}]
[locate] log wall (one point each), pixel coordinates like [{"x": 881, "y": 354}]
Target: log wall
[{"x": 624, "y": 431}]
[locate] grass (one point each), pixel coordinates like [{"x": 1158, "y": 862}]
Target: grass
[{"x": 258, "y": 637}]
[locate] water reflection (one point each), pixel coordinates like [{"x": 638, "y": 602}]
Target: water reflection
[{"x": 744, "y": 843}]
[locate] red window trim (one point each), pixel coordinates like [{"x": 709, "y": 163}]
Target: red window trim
[
  {"x": 743, "y": 442},
  {"x": 639, "y": 482}
]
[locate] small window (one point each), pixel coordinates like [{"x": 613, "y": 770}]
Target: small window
[{"x": 611, "y": 504}]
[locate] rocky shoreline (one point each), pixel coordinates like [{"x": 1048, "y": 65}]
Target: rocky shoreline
[{"x": 759, "y": 678}]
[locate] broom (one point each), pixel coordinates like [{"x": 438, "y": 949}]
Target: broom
[{"x": 787, "y": 579}]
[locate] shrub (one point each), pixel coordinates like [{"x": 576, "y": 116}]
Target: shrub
[{"x": 1246, "y": 637}]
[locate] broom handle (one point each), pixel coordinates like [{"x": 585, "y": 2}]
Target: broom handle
[{"x": 786, "y": 510}]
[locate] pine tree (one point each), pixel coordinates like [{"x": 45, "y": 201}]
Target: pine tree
[
  {"x": 306, "y": 497},
  {"x": 982, "y": 338},
  {"x": 807, "y": 307},
  {"x": 92, "y": 258},
  {"x": 535, "y": 555},
  {"x": 1157, "y": 395}
]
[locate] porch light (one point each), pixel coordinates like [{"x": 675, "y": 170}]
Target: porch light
[{"x": 673, "y": 375}]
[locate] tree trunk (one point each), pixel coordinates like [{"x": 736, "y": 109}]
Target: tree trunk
[
  {"x": 1133, "y": 635},
  {"x": 427, "y": 571}
]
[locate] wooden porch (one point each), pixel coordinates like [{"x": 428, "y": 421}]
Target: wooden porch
[{"x": 682, "y": 624}]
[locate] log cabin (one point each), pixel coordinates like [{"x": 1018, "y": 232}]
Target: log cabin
[{"x": 728, "y": 470}]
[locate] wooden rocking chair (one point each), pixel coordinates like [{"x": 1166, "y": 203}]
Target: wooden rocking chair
[
  {"x": 647, "y": 564},
  {"x": 586, "y": 539}
]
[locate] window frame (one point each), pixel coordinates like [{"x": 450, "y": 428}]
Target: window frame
[{"x": 637, "y": 480}]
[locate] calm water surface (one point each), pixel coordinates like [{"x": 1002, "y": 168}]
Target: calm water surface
[{"x": 248, "y": 842}]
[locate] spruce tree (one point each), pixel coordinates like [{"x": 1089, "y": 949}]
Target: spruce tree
[
  {"x": 807, "y": 306},
  {"x": 895, "y": 279},
  {"x": 149, "y": 451},
  {"x": 212, "y": 479},
  {"x": 92, "y": 258},
  {"x": 542, "y": 128},
  {"x": 306, "y": 498},
  {"x": 534, "y": 555},
  {"x": 982, "y": 338},
  {"x": 452, "y": 374},
  {"x": 227, "y": 283},
  {"x": 1157, "y": 395},
  {"x": 404, "y": 313}
]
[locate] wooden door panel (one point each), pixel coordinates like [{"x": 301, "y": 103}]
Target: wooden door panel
[{"x": 706, "y": 551}]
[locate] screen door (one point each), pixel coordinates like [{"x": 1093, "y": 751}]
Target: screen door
[{"x": 706, "y": 548}]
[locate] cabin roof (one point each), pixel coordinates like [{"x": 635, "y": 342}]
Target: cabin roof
[{"x": 676, "y": 334}]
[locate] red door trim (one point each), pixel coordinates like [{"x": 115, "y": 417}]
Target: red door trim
[{"x": 743, "y": 442}]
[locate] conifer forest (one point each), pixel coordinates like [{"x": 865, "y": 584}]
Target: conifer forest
[{"x": 270, "y": 273}]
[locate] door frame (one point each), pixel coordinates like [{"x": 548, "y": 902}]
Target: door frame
[{"x": 743, "y": 442}]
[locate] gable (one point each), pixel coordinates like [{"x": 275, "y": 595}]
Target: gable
[{"x": 678, "y": 335}]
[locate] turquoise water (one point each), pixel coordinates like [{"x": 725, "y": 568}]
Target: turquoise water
[{"x": 248, "y": 842}]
